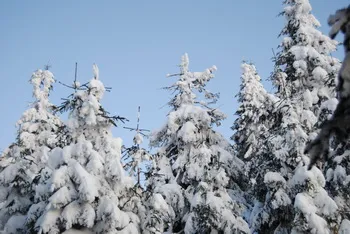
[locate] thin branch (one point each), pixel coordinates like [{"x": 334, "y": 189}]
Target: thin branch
[
  {"x": 76, "y": 73},
  {"x": 47, "y": 66},
  {"x": 176, "y": 74},
  {"x": 71, "y": 87},
  {"x": 146, "y": 130},
  {"x": 131, "y": 129}
]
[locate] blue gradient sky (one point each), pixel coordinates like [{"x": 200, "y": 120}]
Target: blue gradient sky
[{"x": 135, "y": 43}]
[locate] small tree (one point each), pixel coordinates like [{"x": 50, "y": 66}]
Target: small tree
[{"x": 136, "y": 156}]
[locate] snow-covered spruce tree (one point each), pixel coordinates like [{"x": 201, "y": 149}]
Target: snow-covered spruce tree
[
  {"x": 251, "y": 126},
  {"x": 251, "y": 134},
  {"x": 136, "y": 156},
  {"x": 21, "y": 163},
  {"x": 305, "y": 80},
  {"x": 84, "y": 188},
  {"x": 193, "y": 165}
]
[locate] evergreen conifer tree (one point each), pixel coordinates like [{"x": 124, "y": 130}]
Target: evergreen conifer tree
[
  {"x": 305, "y": 80},
  {"x": 136, "y": 156},
  {"x": 193, "y": 165},
  {"x": 251, "y": 134},
  {"x": 84, "y": 187},
  {"x": 23, "y": 161},
  {"x": 252, "y": 125}
]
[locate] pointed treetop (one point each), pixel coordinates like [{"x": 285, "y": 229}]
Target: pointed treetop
[
  {"x": 189, "y": 82},
  {"x": 96, "y": 86},
  {"x": 301, "y": 28},
  {"x": 184, "y": 64},
  {"x": 96, "y": 71},
  {"x": 249, "y": 71},
  {"x": 253, "y": 93},
  {"x": 304, "y": 52},
  {"x": 47, "y": 66},
  {"x": 298, "y": 12},
  {"x": 138, "y": 139},
  {"x": 42, "y": 84}
]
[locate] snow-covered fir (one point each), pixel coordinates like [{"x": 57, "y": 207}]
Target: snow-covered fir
[
  {"x": 136, "y": 157},
  {"x": 22, "y": 162},
  {"x": 84, "y": 187},
  {"x": 256, "y": 109},
  {"x": 304, "y": 77},
  {"x": 193, "y": 166},
  {"x": 252, "y": 124},
  {"x": 252, "y": 112}
]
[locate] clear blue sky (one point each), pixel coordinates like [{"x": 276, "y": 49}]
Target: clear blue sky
[{"x": 135, "y": 44}]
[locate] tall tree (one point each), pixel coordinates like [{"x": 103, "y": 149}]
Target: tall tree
[
  {"x": 22, "y": 162},
  {"x": 304, "y": 76},
  {"x": 251, "y": 126},
  {"x": 84, "y": 186},
  {"x": 193, "y": 164},
  {"x": 251, "y": 134}
]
